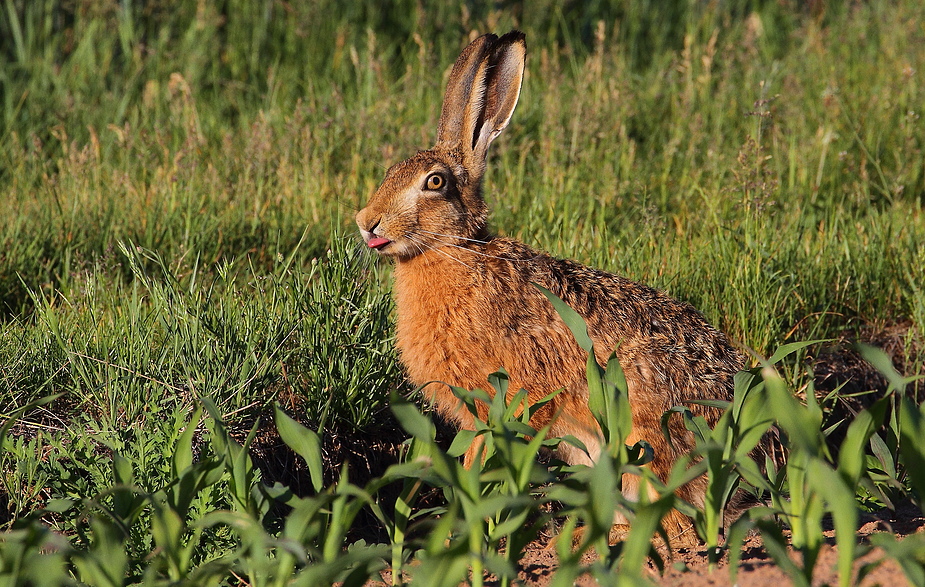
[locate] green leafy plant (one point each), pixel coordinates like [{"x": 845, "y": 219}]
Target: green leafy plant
[
  {"x": 493, "y": 509},
  {"x": 599, "y": 490},
  {"x": 728, "y": 451},
  {"x": 494, "y": 503},
  {"x": 812, "y": 484}
]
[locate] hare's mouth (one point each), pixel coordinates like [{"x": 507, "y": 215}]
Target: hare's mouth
[{"x": 378, "y": 243}]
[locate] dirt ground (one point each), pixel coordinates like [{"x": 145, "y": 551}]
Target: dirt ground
[{"x": 689, "y": 567}]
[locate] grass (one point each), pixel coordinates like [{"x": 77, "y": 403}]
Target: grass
[
  {"x": 181, "y": 179},
  {"x": 673, "y": 172}
]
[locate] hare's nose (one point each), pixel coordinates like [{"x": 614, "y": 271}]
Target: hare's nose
[{"x": 365, "y": 218}]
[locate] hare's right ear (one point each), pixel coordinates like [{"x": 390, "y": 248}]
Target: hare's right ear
[{"x": 480, "y": 97}]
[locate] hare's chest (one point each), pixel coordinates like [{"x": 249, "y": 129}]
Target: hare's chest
[
  {"x": 450, "y": 327},
  {"x": 457, "y": 329},
  {"x": 437, "y": 333}
]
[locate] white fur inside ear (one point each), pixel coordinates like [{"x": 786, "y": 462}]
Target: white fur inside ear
[
  {"x": 510, "y": 70},
  {"x": 473, "y": 122},
  {"x": 495, "y": 94}
]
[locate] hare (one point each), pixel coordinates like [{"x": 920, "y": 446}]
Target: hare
[{"x": 466, "y": 304}]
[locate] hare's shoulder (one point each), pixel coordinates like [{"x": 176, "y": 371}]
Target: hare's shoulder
[
  {"x": 584, "y": 288},
  {"x": 613, "y": 306}
]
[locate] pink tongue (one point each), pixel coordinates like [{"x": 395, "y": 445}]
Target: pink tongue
[{"x": 375, "y": 243}]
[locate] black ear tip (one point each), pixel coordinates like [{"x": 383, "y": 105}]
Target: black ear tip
[{"x": 512, "y": 37}]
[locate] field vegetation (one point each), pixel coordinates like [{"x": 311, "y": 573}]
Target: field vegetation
[{"x": 180, "y": 280}]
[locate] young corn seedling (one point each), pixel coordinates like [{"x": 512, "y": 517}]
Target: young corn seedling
[
  {"x": 817, "y": 484},
  {"x": 594, "y": 494},
  {"x": 313, "y": 544},
  {"x": 492, "y": 511},
  {"x": 907, "y": 428},
  {"x": 727, "y": 450}
]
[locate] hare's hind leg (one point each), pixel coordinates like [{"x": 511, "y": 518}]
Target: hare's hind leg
[{"x": 574, "y": 418}]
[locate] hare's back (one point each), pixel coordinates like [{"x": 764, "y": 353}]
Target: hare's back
[{"x": 665, "y": 342}]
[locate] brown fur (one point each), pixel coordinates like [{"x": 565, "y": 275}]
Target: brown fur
[{"x": 467, "y": 305}]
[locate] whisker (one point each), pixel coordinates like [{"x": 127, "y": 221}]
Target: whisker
[
  {"x": 449, "y": 244},
  {"x": 471, "y": 240},
  {"x": 444, "y": 253},
  {"x": 358, "y": 251}
]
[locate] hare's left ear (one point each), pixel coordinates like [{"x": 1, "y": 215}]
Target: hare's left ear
[{"x": 496, "y": 79}]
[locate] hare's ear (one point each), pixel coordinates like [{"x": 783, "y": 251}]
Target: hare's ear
[
  {"x": 459, "y": 90},
  {"x": 481, "y": 95}
]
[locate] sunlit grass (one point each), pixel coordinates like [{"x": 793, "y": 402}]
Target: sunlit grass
[{"x": 746, "y": 165}]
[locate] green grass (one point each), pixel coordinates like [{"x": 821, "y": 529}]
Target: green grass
[
  {"x": 753, "y": 158},
  {"x": 180, "y": 180}
]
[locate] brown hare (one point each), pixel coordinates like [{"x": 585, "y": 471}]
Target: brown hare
[{"x": 466, "y": 303}]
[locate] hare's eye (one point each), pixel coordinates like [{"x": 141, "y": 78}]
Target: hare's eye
[{"x": 434, "y": 181}]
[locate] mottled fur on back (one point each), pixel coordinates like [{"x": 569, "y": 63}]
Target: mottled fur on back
[{"x": 466, "y": 303}]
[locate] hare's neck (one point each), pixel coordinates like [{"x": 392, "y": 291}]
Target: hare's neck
[
  {"x": 436, "y": 303},
  {"x": 434, "y": 278}
]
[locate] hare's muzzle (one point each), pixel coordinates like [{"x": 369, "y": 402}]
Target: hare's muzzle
[{"x": 373, "y": 240}]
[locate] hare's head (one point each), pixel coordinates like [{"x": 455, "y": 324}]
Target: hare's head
[{"x": 434, "y": 198}]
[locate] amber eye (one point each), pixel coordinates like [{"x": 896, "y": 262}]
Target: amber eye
[{"x": 434, "y": 181}]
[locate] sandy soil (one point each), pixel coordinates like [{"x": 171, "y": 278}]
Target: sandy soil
[{"x": 689, "y": 567}]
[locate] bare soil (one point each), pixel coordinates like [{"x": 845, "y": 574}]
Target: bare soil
[{"x": 690, "y": 567}]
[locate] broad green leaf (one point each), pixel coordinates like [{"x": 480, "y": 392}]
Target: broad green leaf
[
  {"x": 574, "y": 441},
  {"x": 618, "y": 397},
  {"x": 883, "y": 454},
  {"x": 572, "y": 319},
  {"x": 851, "y": 457},
  {"x": 795, "y": 419},
  {"x": 122, "y": 470},
  {"x": 167, "y": 528},
  {"x": 60, "y": 505},
  {"x": 638, "y": 545},
  {"x": 183, "y": 455},
  {"x": 912, "y": 442},
  {"x": 614, "y": 374},
  {"x": 666, "y": 416},
  {"x": 786, "y": 350},
  {"x": 698, "y": 425},
  {"x": 882, "y": 362},
  {"x": 461, "y": 443},
  {"x": 105, "y": 563},
  {"x": 412, "y": 420},
  {"x": 597, "y": 398},
  {"x": 841, "y": 504},
  {"x": 304, "y": 442},
  {"x": 499, "y": 380}
]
